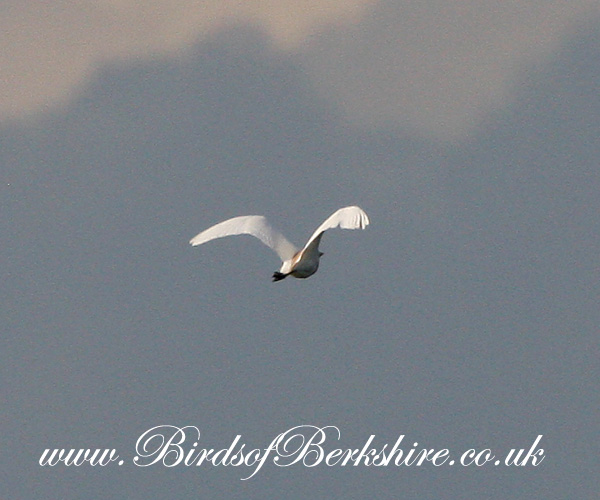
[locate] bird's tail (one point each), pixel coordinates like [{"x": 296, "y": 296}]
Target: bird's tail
[{"x": 277, "y": 276}]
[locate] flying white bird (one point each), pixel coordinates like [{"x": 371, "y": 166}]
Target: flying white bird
[{"x": 297, "y": 263}]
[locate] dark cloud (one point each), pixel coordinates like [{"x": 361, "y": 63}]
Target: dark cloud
[
  {"x": 51, "y": 50},
  {"x": 438, "y": 68}
]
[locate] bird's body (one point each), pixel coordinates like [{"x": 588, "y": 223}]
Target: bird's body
[
  {"x": 303, "y": 264},
  {"x": 297, "y": 263}
]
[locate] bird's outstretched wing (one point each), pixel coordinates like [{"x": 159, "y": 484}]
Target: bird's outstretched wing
[
  {"x": 346, "y": 218},
  {"x": 255, "y": 225}
]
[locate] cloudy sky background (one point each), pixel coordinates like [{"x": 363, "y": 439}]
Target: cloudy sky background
[
  {"x": 465, "y": 316},
  {"x": 436, "y": 66}
]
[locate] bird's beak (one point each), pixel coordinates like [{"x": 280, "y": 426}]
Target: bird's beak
[{"x": 321, "y": 254}]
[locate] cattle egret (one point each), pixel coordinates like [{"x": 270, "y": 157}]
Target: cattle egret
[{"x": 297, "y": 263}]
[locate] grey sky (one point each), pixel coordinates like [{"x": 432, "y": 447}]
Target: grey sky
[{"x": 465, "y": 316}]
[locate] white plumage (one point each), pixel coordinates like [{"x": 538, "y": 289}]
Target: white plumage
[{"x": 297, "y": 263}]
